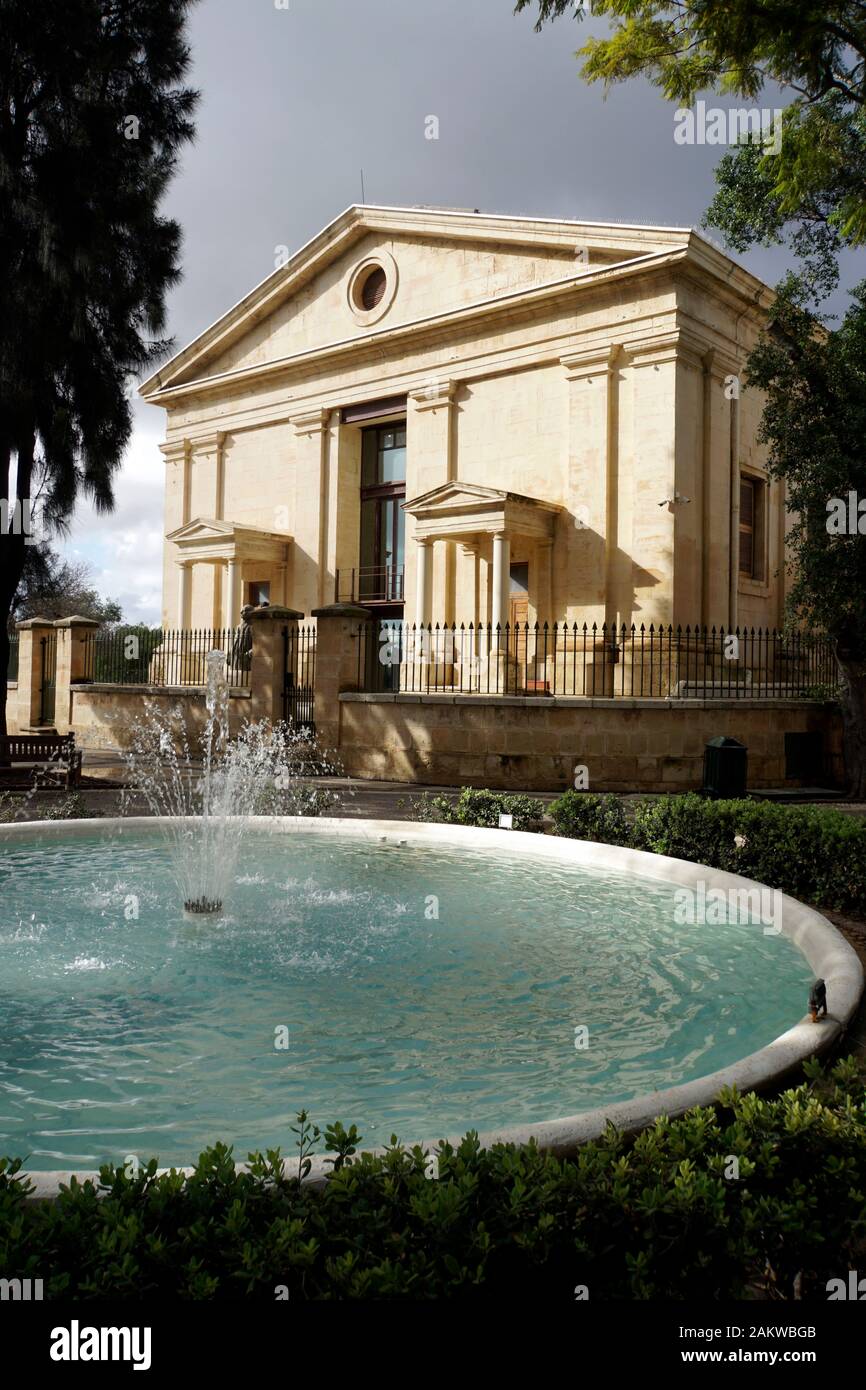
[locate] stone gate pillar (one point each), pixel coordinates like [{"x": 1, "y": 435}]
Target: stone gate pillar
[
  {"x": 72, "y": 638},
  {"x": 29, "y": 693},
  {"x": 267, "y": 662},
  {"x": 341, "y": 651}
]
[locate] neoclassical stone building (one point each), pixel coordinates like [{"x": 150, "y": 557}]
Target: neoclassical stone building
[{"x": 460, "y": 417}]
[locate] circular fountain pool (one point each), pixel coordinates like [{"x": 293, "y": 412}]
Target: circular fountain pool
[{"x": 412, "y": 980}]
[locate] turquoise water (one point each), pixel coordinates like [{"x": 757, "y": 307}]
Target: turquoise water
[{"x": 126, "y": 1029}]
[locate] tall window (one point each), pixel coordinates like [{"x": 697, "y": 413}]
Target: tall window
[
  {"x": 753, "y": 522},
  {"x": 383, "y": 524}
]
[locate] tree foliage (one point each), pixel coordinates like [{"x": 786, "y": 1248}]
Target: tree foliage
[
  {"x": 814, "y": 49},
  {"x": 52, "y": 587},
  {"x": 810, "y": 193},
  {"x": 93, "y": 114}
]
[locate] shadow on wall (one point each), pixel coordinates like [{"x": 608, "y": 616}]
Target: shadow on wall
[{"x": 586, "y": 586}]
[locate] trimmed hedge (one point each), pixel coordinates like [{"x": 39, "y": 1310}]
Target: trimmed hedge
[
  {"x": 585, "y": 816},
  {"x": 482, "y": 808},
  {"x": 814, "y": 853},
  {"x": 753, "y": 1196}
]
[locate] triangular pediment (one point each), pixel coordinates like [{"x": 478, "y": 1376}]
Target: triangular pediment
[
  {"x": 458, "y": 509},
  {"x": 202, "y": 529},
  {"x": 438, "y": 261},
  {"x": 455, "y": 496}
]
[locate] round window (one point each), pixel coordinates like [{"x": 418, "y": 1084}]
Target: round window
[{"x": 372, "y": 289}]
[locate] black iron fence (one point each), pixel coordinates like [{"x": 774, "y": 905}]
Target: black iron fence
[
  {"x": 299, "y": 683},
  {"x": 48, "y": 686},
  {"x": 166, "y": 656},
  {"x": 654, "y": 662}
]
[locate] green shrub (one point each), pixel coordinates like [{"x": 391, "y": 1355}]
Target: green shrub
[
  {"x": 66, "y": 806},
  {"x": 585, "y": 816},
  {"x": 812, "y": 852},
  {"x": 688, "y": 827},
  {"x": 659, "y": 1216},
  {"x": 482, "y": 808},
  {"x": 427, "y": 807}
]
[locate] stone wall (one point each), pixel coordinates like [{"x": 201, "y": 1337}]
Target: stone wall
[
  {"x": 103, "y": 716},
  {"x": 626, "y": 745}
]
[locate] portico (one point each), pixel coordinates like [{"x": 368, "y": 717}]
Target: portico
[
  {"x": 490, "y": 528},
  {"x": 233, "y": 554}
]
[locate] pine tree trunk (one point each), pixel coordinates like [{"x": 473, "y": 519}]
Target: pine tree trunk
[
  {"x": 12, "y": 555},
  {"x": 852, "y": 675}
]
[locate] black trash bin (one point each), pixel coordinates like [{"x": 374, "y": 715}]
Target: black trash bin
[{"x": 725, "y": 768}]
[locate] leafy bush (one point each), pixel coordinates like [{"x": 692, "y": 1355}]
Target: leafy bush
[
  {"x": 688, "y": 827},
  {"x": 429, "y": 808},
  {"x": 481, "y": 808},
  {"x": 585, "y": 816},
  {"x": 663, "y": 1215},
  {"x": 67, "y": 806},
  {"x": 812, "y": 852},
  {"x": 815, "y": 853}
]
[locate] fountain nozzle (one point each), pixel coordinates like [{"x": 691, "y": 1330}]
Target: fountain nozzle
[{"x": 202, "y": 906}]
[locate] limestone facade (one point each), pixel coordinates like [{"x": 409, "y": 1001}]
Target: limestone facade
[{"x": 576, "y": 432}]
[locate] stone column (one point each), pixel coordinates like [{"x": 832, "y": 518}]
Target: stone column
[
  {"x": 233, "y": 594},
  {"x": 342, "y": 647},
  {"x": 183, "y": 593},
  {"x": 29, "y": 690},
  {"x": 72, "y": 638},
  {"x": 544, "y": 595},
  {"x": 467, "y": 592},
  {"x": 590, "y": 544},
  {"x": 431, "y": 438},
  {"x": 423, "y": 580},
  {"x": 267, "y": 663},
  {"x": 501, "y": 579},
  {"x": 311, "y": 505}
]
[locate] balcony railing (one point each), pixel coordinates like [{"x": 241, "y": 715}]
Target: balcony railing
[{"x": 370, "y": 584}]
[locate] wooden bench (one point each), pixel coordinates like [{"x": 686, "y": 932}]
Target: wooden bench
[{"x": 55, "y": 752}]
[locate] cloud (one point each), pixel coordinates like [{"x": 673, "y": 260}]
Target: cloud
[{"x": 124, "y": 547}]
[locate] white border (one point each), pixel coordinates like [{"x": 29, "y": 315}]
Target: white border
[{"x": 825, "y": 949}]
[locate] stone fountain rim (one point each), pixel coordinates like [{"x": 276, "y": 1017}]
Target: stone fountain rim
[{"x": 825, "y": 949}]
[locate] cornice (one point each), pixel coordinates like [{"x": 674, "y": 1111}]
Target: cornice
[
  {"x": 312, "y": 422},
  {"x": 434, "y": 395},
  {"x": 591, "y": 362}
]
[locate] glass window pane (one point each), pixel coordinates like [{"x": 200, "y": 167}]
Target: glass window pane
[
  {"x": 400, "y": 556},
  {"x": 520, "y": 579},
  {"x": 393, "y": 468},
  {"x": 746, "y": 499},
  {"x": 386, "y": 532},
  {"x": 370, "y": 458},
  {"x": 368, "y": 533}
]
